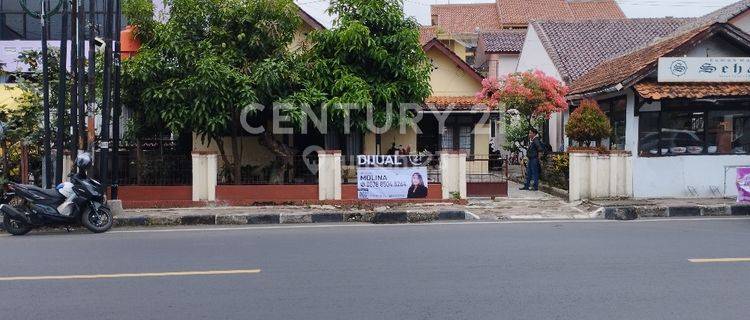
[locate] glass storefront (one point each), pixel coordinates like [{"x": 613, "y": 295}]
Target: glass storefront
[{"x": 695, "y": 128}]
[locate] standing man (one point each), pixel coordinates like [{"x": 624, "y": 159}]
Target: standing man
[{"x": 534, "y": 166}]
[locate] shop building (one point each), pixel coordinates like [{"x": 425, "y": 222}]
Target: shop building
[{"x": 682, "y": 103}]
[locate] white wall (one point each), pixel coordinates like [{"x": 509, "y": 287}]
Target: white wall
[
  {"x": 671, "y": 176},
  {"x": 508, "y": 63},
  {"x": 534, "y": 56},
  {"x": 742, "y": 21}
]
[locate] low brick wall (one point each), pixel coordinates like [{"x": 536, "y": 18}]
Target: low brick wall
[{"x": 267, "y": 193}]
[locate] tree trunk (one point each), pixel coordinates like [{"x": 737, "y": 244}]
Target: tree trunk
[
  {"x": 284, "y": 157},
  {"x": 222, "y": 153},
  {"x": 236, "y": 153}
]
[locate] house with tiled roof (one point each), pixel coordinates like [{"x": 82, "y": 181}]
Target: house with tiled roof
[
  {"x": 466, "y": 23},
  {"x": 454, "y": 84},
  {"x": 683, "y": 102},
  {"x": 567, "y": 49}
]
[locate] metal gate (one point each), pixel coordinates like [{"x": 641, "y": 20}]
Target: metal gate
[{"x": 486, "y": 176}]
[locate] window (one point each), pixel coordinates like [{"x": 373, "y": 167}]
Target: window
[
  {"x": 695, "y": 128},
  {"x": 458, "y": 138},
  {"x": 615, "y": 110},
  {"x": 728, "y": 132}
]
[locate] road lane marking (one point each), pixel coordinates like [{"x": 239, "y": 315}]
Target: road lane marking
[
  {"x": 408, "y": 225},
  {"x": 719, "y": 260},
  {"x": 132, "y": 275}
]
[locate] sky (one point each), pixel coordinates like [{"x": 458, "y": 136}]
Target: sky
[{"x": 420, "y": 9}]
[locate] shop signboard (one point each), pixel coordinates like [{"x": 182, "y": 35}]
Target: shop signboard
[
  {"x": 383, "y": 177},
  {"x": 743, "y": 184},
  {"x": 705, "y": 69}
]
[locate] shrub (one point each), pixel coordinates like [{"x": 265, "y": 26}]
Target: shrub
[{"x": 588, "y": 124}]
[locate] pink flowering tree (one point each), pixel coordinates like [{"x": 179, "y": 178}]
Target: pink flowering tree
[
  {"x": 528, "y": 98},
  {"x": 532, "y": 93}
]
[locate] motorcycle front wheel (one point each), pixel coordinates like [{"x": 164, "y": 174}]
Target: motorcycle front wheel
[
  {"x": 97, "y": 221},
  {"x": 15, "y": 227}
]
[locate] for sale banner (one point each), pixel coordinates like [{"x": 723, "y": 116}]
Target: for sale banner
[
  {"x": 391, "y": 177},
  {"x": 743, "y": 184}
]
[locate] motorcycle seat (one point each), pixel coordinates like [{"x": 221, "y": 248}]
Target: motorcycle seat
[{"x": 49, "y": 193}]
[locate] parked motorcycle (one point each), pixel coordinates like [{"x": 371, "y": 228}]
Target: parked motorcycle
[{"x": 25, "y": 207}]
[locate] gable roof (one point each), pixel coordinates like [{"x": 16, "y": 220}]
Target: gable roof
[
  {"x": 521, "y": 12},
  {"x": 427, "y": 33},
  {"x": 437, "y": 45},
  {"x": 307, "y": 18},
  {"x": 575, "y": 47},
  {"x": 631, "y": 67},
  {"x": 467, "y": 17},
  {"x": 724, "y": 14},
  {"x": 502, "y": 41}
]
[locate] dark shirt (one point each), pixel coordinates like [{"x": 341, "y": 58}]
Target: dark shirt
[
  {"x": 535, "y": 148},
  {"x": 419, "y": 191}
]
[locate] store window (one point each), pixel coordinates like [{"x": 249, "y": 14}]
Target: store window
[
  {"x": 695, "y": 128},
  {"x": 728, "y": 132}
]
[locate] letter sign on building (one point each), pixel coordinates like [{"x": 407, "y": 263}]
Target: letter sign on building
[{"x": 708, "y": 69}]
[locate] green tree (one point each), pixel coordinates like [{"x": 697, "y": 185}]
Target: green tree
[
  {"x": 197, "y": 70},
  {"x": 371, "y": 58},
  {"x": 588, "y": 124}
]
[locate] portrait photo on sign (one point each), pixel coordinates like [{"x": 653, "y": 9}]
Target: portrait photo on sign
[{"x": 418, "y": 189}]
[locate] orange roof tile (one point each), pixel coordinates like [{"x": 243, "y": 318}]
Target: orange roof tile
[
  {"x": 521, "y": 12},
  {"x": 466, "y": 18},
  {"x": 595, "y": 9},
  {"x": 427, "y": 33},
  {"x": 658, "y": 91}
]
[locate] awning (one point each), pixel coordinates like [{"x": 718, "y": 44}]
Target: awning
[
  {"x": 8, "y": 95},
  {"x": 658, "y": 91}
]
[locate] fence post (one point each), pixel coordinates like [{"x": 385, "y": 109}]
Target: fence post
[
  {"x": 453, "y": 173},
  {"x": 200, "y": 177},
  {"x": 329, "y": 175},
  {"x": 212, "y": 176}
]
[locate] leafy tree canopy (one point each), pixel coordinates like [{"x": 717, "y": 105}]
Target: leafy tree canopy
[{"x": 371, "y": 57}]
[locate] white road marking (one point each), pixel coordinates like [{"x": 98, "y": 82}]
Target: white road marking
[
  {"x": 719, "y": 260},
  {"x": 132, "y": 275}
]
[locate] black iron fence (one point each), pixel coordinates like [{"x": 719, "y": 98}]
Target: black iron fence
[
  {"x": 486, "y": 168},
  {"x": 273, "y": 170},
  {"x": 155, "y": 170}
]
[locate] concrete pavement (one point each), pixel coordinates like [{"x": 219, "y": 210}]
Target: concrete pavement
[{"x": 593, "y": 269}]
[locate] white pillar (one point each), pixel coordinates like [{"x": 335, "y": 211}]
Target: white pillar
[
  {"x": 453, "y": 173},
  {"x": 329, "y": 175},
  {"x": 212, "y": 176},
  {"x": 204, "y": 176}
]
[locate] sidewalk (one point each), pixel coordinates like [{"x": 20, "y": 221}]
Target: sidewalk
[{"x": 526, "y": 205}]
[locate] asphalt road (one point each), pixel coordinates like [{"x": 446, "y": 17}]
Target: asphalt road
[{"x": 553, "y": 270}]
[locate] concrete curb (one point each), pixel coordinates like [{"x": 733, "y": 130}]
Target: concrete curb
[
  {"x": 636, "y": 212},
  {"x": 292, "y": 218}
]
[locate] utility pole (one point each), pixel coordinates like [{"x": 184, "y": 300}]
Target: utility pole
[
  {"x": 79, "y": 130},
  {"x": 90, "y": 125},
  {"x": 75, "y": 91},
  {"x": 47, "y": 160},
  {"x": 116, "y": 104},
  {"x": 61, "y": 95},
  {"x": 107, "y": 95}
]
